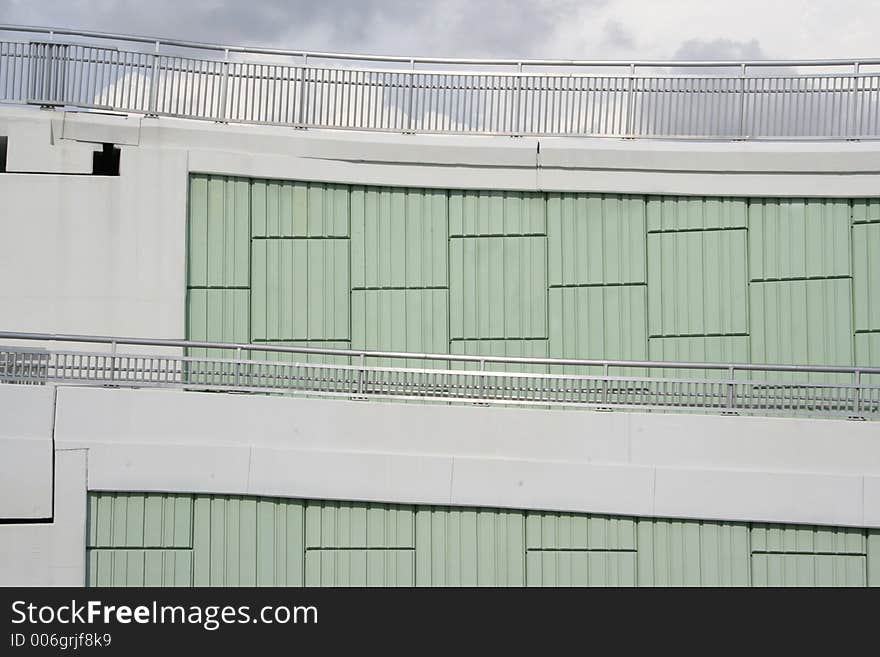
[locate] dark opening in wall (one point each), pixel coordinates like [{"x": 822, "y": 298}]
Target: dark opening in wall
[
  {"x": 4, "y": 142},
  {"x": 105, "y": 162}
]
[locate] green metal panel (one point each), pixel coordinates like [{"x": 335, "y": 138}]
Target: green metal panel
[
  {"x": 398, "y": 237},
  {"x": 109, "y": 567},
  {"x": 300, "y": 289},
  {"x": 698, "y": 349},
  {"x": 697, "y": 283},
  {"x": 865, "y": 210},
  {"x": 598, "y": 322},
  {"x": 580, "y": 568},
  {"x": 596, "y": 239},
  {"x": 219, "y": 232},
  {"x": 140, "y": 520},
  {"x": 498, "y": 287},
  {"x": 868, "y": 354},
  {"x": 873, "y": 557},
  {"x": 276, "y": 356},
  {"x": 808, "y": 570},
  {"x": 799, "y": 238},
  {"x": 473, "y": 213},
  {"x": 671, "y": 213},
  {"x": 284, "y": 208},
  {"x": 246, "y": 541},
  {"x": 547, "y": 530},
  {"x": 808, "y": 539},
  {"x": 802, "y": 322},
  {"x": 358, "y": 525},
  {"x": 518, "y": 348},
  {"x": 469, "y": 547},
  {"x": 400, "y": 320},
  {"x": 692, "y": 553},
  {"x": 866, "y": 276},
  {"x": 360, "y": 567},
  {"x": 218, "y": 316}
]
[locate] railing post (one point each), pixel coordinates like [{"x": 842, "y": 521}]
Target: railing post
[
  {"x": 742, "y": 103},
  {"x": 412, "y": 92},
  {"x": 731, "y": 390},
  {"x": 152, "y": 103},
  {"x": 237, "y": 366},
  {"x": 517, "y": 127},
  {"x": 605, "y": 384},
  {"x": 113, "y": 360},
  {"x": 482, "y": 379},
  {"x": 223, "y": 115},
  {"x": 631, "y": 81},
  {"x": 301, "y": 106},
  {"x": 857, "y": 396},
  {"x": 361, "y": 376},
  {"x": 853, "y": 96}
]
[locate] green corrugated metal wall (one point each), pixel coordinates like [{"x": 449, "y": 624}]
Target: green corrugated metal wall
[
  {"x": 514, "y": 273},
  {"x": 148, "y": 539}
]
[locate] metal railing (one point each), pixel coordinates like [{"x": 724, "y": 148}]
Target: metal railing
[
  {"x": 793, "y": 390},
  {"x": 800, "y": 99}
]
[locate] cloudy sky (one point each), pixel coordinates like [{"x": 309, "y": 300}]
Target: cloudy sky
[{"x": 582, "y": 29}]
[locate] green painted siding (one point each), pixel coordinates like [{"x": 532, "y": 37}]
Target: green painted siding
[
  {"x": 799, "y": 239},
  {"x": 802, "y": 322},
  {"x": 284, "y": 208},
  {"x": 300, "y": 289},
  {"x": 398, "y": 238},
  {"x": 469, "y": 547},
  {"x": 596, "y": 239},
  {"x": 476, "y": 213},
  {"x": 498, "y": 287},
  {"x": 148, "y": 539},
  {"x": 511, "y": 273},
  {"x": 866, "y": 276},
  {"x": 698, "y": 283},
  {"x": 520, "y": 348}
]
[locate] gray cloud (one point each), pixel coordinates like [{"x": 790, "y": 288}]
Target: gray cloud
[
  {"x": 508, "y": 28},
  {"x": 719, "y": 49}
]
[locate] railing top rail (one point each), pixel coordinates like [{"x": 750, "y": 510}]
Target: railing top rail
[
  {"x": 196, "y": 344},
  {"x": 215, "y": 47}
]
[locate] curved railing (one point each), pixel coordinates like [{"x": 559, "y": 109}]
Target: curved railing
[
  {"x": 790, "y": 99},
  {"x": 749, "y": 389}
]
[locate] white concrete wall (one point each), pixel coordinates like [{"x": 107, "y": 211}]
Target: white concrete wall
[{"x": 679, "y": 466}]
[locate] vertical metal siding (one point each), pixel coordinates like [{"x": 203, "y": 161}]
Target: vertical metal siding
[
  {"x": 359, "y": 525},
  {"x": 807, "y": 538},
  {"x": 242, "y": 541},
  {"x": 498, "y": 287},
  {"x": 276, "y": 356},
  {"x": 360, "y": 568},
  {"x": 520, "y": 348},
  {"x": 798, "y": 238},
  {"x": 596, "y": 239},
  {"x": 866, "y": 276},
  {"x": 698, "y": 283},
  {"x": 693, "y": 553},
  {"x": 872, "y": 558},
  {"x": 671, "y": 213},
  {"x": 219, "y": 232},
  {"x": 300, "y": 289},
  {"x": 398, "y": 238},
  {"x": 547, "y": 530},
  {"x": 699, "y": 349},
  {"x": 400, "y": 320},
  {"x": 109, "y": 567},
  {"x": 866, "y": 210},
  {"x": 808, "y": 570},
  {"x": 144, "y": 520},
  {"x": 469, "y": 547},
  {"x": 476, "y": 213},
  {"x": 298, "y": 209},
  {"x": 599, "y": 322},
  {"x": 218, "y": 315},
  {"x": 581, "y": 568},
  {"x": 802, "y": 322}
]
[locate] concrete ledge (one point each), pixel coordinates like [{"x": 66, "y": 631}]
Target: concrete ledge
[{"x": 643, "y": 464}]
